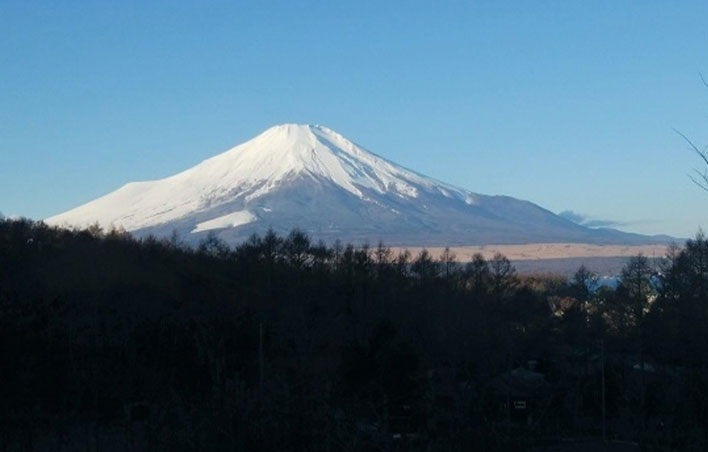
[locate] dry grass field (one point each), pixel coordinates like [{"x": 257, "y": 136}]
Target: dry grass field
[
  {"x": 558, "y": 258},
  {"x": 539, "y": 251}
]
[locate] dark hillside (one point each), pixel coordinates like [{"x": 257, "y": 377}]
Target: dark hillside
[{"x": 109, "y": 343}]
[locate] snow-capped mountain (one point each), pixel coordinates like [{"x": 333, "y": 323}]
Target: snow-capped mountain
[{"x": 313, "y": 178}]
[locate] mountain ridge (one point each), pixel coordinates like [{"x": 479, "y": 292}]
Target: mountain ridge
[{"x": 313, "y": 178}]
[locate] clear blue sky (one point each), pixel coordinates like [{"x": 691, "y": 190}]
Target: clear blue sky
[{"x": 568, "y": 104}]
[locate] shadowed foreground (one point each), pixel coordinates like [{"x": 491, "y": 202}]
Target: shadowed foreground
[{"x": 108, "y": 343}]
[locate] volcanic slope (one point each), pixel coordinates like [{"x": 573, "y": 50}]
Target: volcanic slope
[{"x": 312, "y": 178}]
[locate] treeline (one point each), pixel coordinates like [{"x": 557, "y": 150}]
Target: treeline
[{"x": 112, "y": 343}]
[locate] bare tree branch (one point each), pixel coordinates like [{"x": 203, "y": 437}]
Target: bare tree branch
[
  {"x": 700, "y": 178},
  {"x": 703, "y": 79},
  {"x": 701, "y": 181}
]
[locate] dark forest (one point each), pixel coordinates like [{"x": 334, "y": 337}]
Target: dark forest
[{"x": 112, "y": 343}]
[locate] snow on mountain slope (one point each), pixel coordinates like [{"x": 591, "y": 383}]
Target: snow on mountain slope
[
  {"x": 313, "y": 178},
  {"x": 252, "y": 170},
  {"x": 231, "y": 220}
]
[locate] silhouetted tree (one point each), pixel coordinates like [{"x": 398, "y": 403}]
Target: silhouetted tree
[
  {"x": 213, "y": 246},
  {"x": 448, "y": 262},
  {"x": 423, "y": 266},
  {"x": 502, "y": 275},
  {"x": 477, "y": 274}
]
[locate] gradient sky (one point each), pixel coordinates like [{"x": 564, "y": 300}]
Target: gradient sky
[{"x": 571, "y": 105}]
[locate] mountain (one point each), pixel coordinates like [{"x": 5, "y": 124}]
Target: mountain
[{"x": 313, "y": 178}]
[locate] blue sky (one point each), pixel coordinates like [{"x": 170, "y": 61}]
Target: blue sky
[{"x": 571, "y": 105}]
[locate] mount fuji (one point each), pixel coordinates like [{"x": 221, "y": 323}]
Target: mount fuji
[{"x": 312, "y": 178}]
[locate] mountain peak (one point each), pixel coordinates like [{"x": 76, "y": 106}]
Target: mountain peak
[
  {"x": 290, "y": 130},
  {"x": 280, "y": 156},
  {"x": 286, "y": 138},
  {"x": 294, "y": 132},
  {"x": 289, "y": 151},
  {"x": 290, "y": 126},
  {"x": 311, "y": 177}
]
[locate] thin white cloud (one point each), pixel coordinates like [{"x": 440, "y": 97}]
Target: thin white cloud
[{"x": 584, "y": 220}]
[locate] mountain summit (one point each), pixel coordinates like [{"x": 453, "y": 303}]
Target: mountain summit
[{"x": 313, "y": 178}]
